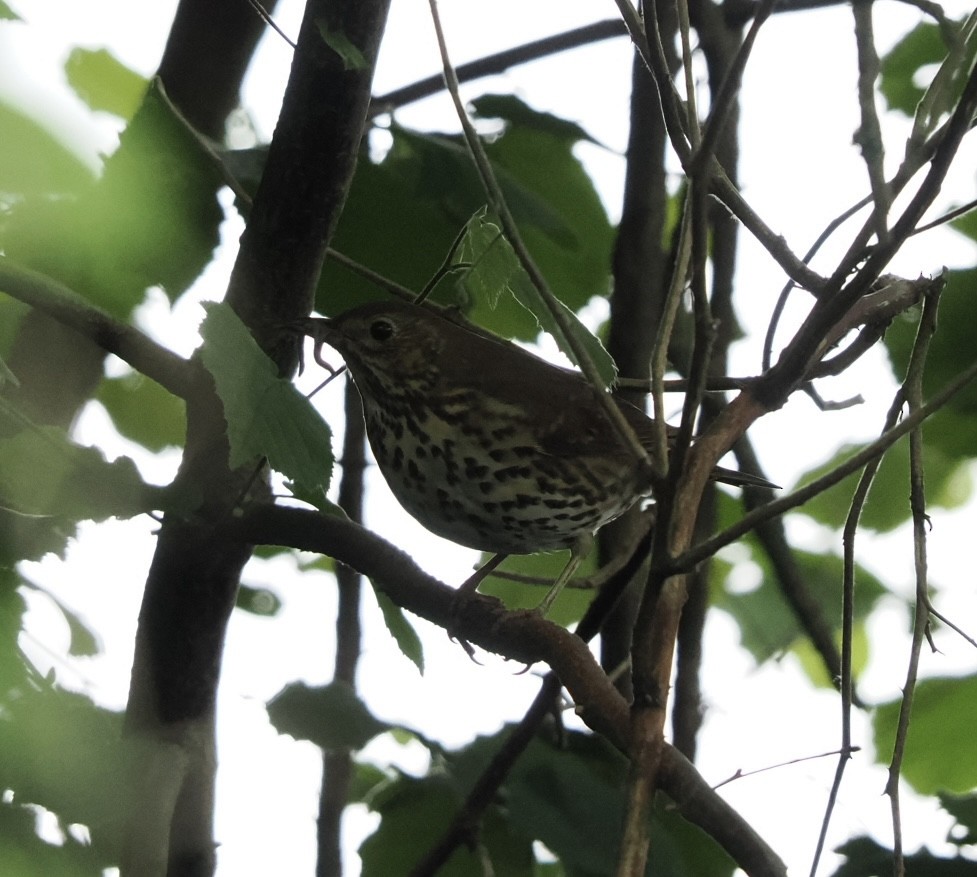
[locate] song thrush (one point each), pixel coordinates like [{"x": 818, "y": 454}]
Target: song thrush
[{"x": 484, "y": 443}]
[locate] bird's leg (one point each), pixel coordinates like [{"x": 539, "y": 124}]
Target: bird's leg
[
  {"x": 470, "y": 585},
  {"x": 578, "y": 552},
  {"x": 464, "y": 593}
]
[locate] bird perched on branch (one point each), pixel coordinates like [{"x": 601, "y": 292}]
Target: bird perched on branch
[{"x": 484, "y": 443}]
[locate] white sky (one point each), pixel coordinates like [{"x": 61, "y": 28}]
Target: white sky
[{"x": 799, "y": 169}]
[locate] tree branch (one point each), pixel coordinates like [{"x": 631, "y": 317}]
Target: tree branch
[
  {"x": 113, "y": 336},
  {"x": 195, "y": 572},
  {"x": 519, "y": 636},
  {"x": 491, "y": 65}
]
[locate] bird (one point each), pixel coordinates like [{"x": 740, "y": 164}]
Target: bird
[{"x": 484, "y": 443}]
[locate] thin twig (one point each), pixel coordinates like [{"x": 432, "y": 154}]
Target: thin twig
[
  {"x": 917, "y": 502},
  {"x": 949, "y": 216},
  {"x": 959, "y": 631},
  {"x": 869, "y": 133},
  {"x": 649, "y": 47},
  {"x": 659, "y": 354},
  {"x": 697, "y": 553},
  {"x": 914, "y": 160},
  {"x": 267, "y": 19},
  {"x": 337, "y": 765},
  {"x": 779, "y": 381},
  {"x": 726, "y": 99},
  {"x": 846, "y": 686},
  {"x": 741, "y": 11},
  {"x": 446, "y": 267},
  {"x": 63, "y": 304},
  {"x": 775, "y": 245},
  {"x": 691, "y": 112},
  {"x": 491, "y": 65},
  {"x": 378, "y": 280},
  {"x": 499, "y": 205},
  {"x": 743, "y": 774}
]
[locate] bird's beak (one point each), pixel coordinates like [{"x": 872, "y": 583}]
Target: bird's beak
[{"x": 318, "y": 328}]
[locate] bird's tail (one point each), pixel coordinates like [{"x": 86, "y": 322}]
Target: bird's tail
[{"x": 741, "y": 479}]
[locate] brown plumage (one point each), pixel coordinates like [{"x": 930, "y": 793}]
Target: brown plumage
[{"x": 485, "y": 443}]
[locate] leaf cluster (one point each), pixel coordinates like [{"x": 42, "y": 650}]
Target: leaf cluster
[{"x": 416, "y": 217}]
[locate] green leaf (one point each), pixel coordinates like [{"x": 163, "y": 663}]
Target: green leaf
[
  {"x": 316, "y": 497},
  {"x": 7, "y": 376},
  {"x": 571, "y": 797},
  {"x": 12, "y": 312},
  {"x": 266, "y": 415},
  {"x": 493, "y": 266},
  {"x": 24, "y": 854},
  {"x": 367, "y": 779},
  {"x": 537, "y": 154},
  {"x": 401, "y": 630},
  {"x": 939, "y": 748},
  {"x": 769, "y": 626},
  {"x": 42, "y": 473},
  {"x": 104, "y": 83},
  {"x": 414, "y": 815},
  {"x": 33, "y": 162},
  {"x": 516, "y": 112},
  {"x": 947, "y": 86},
  {"x": 922, "y": 46},
  {"x": 866, "y": 858},
  {"x": 7, "y": 14},
  {"x": 350, "y": 55},
  {"x": 151, "y": 219},
  {"x": 947, "y": 485},
  {"x": 950, "y": 352},
  {"x": 569, "y": 606},
  {"x": 331, "y": 716},
  {"x": 963, "y": 808},
  {"x": 13, "y": 669},
  {"x": 143, "y": 411},
  {"x": 27, "y": 537},
  {"x": 495, "y": 269},
  {"x": 60, "y": 751},
  {"x": 84, "y": 642},
  {"x": 427, "y": 180}
]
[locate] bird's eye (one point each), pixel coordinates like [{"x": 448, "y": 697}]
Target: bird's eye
[{"x": 381, "y": 330}]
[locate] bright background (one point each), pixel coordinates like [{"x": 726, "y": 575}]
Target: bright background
[{"x": 799, "y": 169}]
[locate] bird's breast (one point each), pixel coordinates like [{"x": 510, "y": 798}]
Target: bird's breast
[{"x": 480, "y": 478}]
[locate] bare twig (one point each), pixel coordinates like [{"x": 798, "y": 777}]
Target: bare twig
[
  {"x": 724, "y": 101},
  {"x": 337, "y": 765},
  {"x": 775, "y": 245},
  {"x": 917, "y": 502},
  {"x": 869, "y": 133},
  {"x": 741, "y": 11},
  {"x": 500, "y": 62},
  {"x": 267, "y": 19},
  {"x": 498, "y": 203},
  {"x": 649, "y": 47},
  {"x": 688, "y": 559},
  {"x": 70, "y": 309},
  {"x": 378, "y": 280},
  {"x": 778, "y": 382},
  {"x": 846, "y": 685},
  {"x": 743, "y": 774}
]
